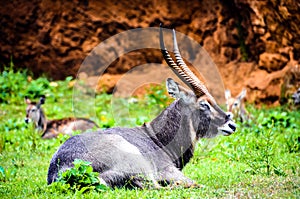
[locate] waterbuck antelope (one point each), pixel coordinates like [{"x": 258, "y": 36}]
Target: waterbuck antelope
[
  {"x": 157, "y": 151},
  {"x": 51, "y": 128},
  {"x": 236, "y": 105}
]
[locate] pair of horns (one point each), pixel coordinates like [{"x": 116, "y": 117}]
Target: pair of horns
[
  {"x": 184, "y": 73},
  {"x": 181, "y": 69}
]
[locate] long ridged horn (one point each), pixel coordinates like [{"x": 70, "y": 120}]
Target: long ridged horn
[
  {"x": 197, "y": 85},
  {"x": 181, "y": 69},
  {"x": 177, "y": 70},
  {"x": 183, "y": 72}
]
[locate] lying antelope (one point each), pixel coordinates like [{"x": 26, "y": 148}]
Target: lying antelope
[
  {"x": 157, "y": 151},
  {"x": 51, "y": 129},
  {"x": 236, "y": 105}
]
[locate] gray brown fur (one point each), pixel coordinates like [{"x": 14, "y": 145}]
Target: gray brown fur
[
  {"x": 155, "y": 152},
  {"x": 296, "y": 97},
  {"x": 52, "y": 128}
]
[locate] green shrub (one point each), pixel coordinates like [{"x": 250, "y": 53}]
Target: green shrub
[
  {"x": 15, "y": 84},
  {"x": 79, "y": 178},
  {"x": 276, "y": 119},
  {"x": 12, "y": 83}
]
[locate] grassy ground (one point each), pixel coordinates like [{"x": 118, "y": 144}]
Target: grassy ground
[{"x": 261, "y": 160}]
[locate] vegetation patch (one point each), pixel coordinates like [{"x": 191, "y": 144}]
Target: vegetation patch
[
  {"x": 79, "y": 178},
  {"x": 260, "y": 160}
]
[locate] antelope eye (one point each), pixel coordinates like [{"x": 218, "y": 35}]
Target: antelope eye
[
  {"x": 204, "y": 105},
  {"x": 33, "y": 110}
]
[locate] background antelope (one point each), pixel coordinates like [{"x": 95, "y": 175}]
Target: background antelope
[
  {"x": 236, "y": 105},
  {"x": 156, "y": 151},
  {"x": 51, "y": 128},
  {"x": 296, "y": 97}
]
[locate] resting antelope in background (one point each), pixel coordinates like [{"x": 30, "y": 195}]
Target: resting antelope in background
[
  {"x": 158, "y": 150},
  {"x": 51, "y": 128},
  {"x": 296, "y": 97},
  {"x": 236, "y": 105}
]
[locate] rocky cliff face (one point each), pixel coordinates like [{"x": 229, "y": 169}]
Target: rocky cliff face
[{"x": 255, "y": 44}]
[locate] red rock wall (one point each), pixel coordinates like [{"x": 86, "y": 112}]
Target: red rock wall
[{"x": 255, "y": 44}]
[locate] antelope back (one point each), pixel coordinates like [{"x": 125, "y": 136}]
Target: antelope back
[
  {"x": 53, "y": 128},
  {"x": 67, "y": 126}
]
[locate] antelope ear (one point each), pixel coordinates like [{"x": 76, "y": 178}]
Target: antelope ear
[
  {"x": 227, "y": 94},
  {"x": 42, "y": 101},
  {"x": 27, "y": 100},
  {"x": 172, "y": 88},
  {"x": 242, "y": 94},
  {"x": 178, "y": 92}
]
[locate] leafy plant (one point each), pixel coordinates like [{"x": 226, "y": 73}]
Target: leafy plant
[
  {"x": 15, "y": 84},
  {"x": 38, "y": 87},
  {"x": 276, "y": 119},
  {"x": 80, "y": 178},
  {"x": 12, "y": 83},
  {"x": 260, "y": 152}
]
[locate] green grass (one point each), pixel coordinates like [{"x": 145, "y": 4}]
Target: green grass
[{"x": 261, "y": 160}]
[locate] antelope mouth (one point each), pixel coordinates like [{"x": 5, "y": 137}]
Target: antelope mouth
[
  {"x": 228, "y": 128},
  {"x": 226, "y": 133}
]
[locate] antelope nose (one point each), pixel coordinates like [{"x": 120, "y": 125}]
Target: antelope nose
[
  {"x": 232, "y": 126},
  {"x": 26, "y": 120},
  {"x": 228, "y": 128},
  {"x": 229, "y": 116}
]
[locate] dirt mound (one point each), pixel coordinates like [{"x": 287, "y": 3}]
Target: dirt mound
[{"x": 255, "y": 44}]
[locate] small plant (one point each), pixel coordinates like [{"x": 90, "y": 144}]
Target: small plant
[
  {"x": 260, "y": 154},
  {"x": 286, "y": 125},
  {"x": 278, "y": 119},
  {"x": 260, "y": 144},
  {"x": 80, "y": 178}
]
